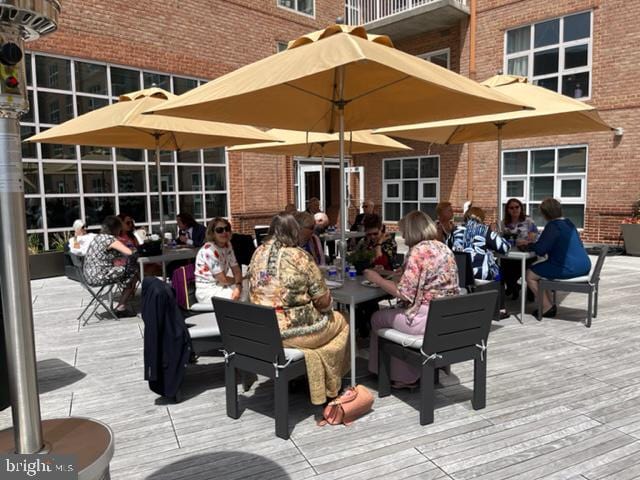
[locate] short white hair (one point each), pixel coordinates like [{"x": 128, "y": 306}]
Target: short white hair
[
  {"x": 78, "y": 224},
  {"x": 322, "y": 218}
]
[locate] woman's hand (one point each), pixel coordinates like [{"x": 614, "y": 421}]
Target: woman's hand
[
  {"x": 522, "y": 243},
  {"x": 372, "y": 276},
  {"x": 237, "y": 293}
]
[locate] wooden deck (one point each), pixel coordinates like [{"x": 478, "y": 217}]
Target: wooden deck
[{"x": 563, "y": 403}]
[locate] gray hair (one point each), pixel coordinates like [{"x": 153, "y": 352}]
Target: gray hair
[
  {"x": 416, "y": 227},
  {"x": 285, "y": 229}
]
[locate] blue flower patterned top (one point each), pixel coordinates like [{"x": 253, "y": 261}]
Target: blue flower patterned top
[{"x": 476, "y": 239}]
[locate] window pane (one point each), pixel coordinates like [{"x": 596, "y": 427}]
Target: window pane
[
  {"x": 168, "y": 205},
  {"x": 192, "y": 204},
  {"x": 168, "y": 181},
  {"x": 97, "y": 178},
  {"x": 96, "y": 209},
  {"x": 429, "y": 190},
  {"x": 87, "y": 104},
  {"x": 515, "y": 163},
  {"x": 391, "y": 212},
  {"x": 214, "y": 155},
  {"x": 29, "y": 117},
  {"x": 571, "y": 188},
  {"x": 546, "y": 33},
  {"x": 215, "y": 179},
  {"x": 545, "y": 62},
  {"x": 393, "y": 190},
  {"x": 305, "y": 6},
  {"x": 124, "y": 81},
  {"x": 577, "y": 26},
  {"x": 53, "y": 72},
  {"x": 441, "y": 59},
  {"x": 29, "y": 150},
  {"x": 156, "y": 80},
  {"x": 62, "y": 212},
  {"x": 408, "y": 207},
  {"x": 189, "y": 179},
  {"x": 54, "y": 107},
  {"x": 182, "y": 85},
  {"x": 429, "y": 167},
  {"x": 518, "y": 66},
  {"x": 91, "y": 78},
  {"x": 577, "y": 56},
  {"x": 534, "y": 212},
  {"x": 548, "y": 83},
  {"x": 541, "y": 188},
  {"x": 136, "y": 207},
  {"x": 216, "y": 204},
  {"x": 27, "y": 67},
  {"x": 57, "y": 152},
  {"x": 131, "y": 179},
  {"x": 429, "y": 209},
  {"x": 410, "y": 168},
  {"x": 58, "y": 240},
  {"x": 515, "y": 188},
  {"x": 542, "y": 161},
  {"x": 575, "y": 213},
  {"x": 576, "y": 85},
  {"x": 518, "y": 39},
  {"x": 31, "y": 178},
  {"x": 410, "y": 190},
  {"x": 572, "y": 160},
  {"x": 60, "y": 177},
  {"x": 189, "y": 157},
  {"x": 391, "y": 169},
  {"x": 129, "y": 155},
  {"x": 95, "y": 153},
  {"x": 33, "y": 208}
]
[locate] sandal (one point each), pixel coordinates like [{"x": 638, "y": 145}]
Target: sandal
[{"x": 403, "y": 385}]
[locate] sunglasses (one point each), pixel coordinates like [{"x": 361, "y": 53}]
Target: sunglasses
[
  {"x": 129, "y": 222},
  {"x": 222, "y": 229}
]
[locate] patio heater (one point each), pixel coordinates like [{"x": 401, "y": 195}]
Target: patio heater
[{"x": 20, "y": 21}]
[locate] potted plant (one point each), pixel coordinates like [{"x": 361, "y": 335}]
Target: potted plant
[
  {"x": 631, "y": 231},
  {"x": 45, "y": 264},
  {"x": 361, "y": 258}
]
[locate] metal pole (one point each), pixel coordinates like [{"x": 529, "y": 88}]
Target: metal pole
[
  {"x": 16, "y": 292},
  {"x": 343, "y": 210},
  {"x": 158, "y": 173},
  {"x": 498, "y": 205}
]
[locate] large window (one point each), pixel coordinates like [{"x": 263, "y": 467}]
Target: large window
[
  {"x": 555, "y": 54},
  {"x": 410, "y": 184},
  {"x": 306, "y": 7},
  {"x": 66, "y": 182},
  {"x": 535, "y": 174}
]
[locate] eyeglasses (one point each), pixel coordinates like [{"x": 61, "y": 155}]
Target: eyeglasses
[
  {"x": 222, "y": 229},
  {"x": 514, "y": 207}
]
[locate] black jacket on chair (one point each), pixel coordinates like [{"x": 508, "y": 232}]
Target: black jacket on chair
[{"x": 167, "y": 344}]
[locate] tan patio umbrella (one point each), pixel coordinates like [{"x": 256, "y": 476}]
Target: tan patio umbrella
[
  {"x": 122, "y": 125},
  {"x": 553, "y": 114}
]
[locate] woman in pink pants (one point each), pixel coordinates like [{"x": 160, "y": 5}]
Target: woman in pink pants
[{"x": 430, "y": 272}]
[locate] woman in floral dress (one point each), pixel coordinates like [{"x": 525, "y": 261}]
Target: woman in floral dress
[
  {"x": 214, "y": 262},
  {"x": 285, "y": 277},
  {"x": 430, "y": 271}
]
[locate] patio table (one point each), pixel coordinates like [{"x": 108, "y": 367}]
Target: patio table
[
  {"x": 352, "y": 293},
  {"x": 168, "y": 255},
  {"x": 523, "y": 257},
  {"x": 326, "y": 237}
]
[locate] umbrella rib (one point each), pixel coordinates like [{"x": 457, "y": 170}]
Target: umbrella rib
[
  {"x": 378, "y": 88},
  {"x": 309, "y": 92}
]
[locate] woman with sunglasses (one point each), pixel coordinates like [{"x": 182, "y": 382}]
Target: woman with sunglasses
[
  {"x": 217, "y": 271},
  {"x": 126, "y": 234}
]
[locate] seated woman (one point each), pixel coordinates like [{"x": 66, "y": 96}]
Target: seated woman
[
  {"x": 127, "y": 236},
  {"x": 430, "y": 271},
  {"x": 99, "y": 268},
  {"x": 79, "y": 243},
  {"x": 566, "y": 256},
  {"x": 378, "y": 241},
  {"x": 522, "y": 229},
  {"x": 444, "y": 223},
  {"x": 189, "y": 232},
  {"x": 308, "y": 240},
  {"x": 285, "y": 277},
  {"x": 214, "y": 262}
]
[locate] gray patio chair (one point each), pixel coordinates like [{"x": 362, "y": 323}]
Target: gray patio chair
[
  {"x": 96, "y": 295},
  {"x": 457, "y": 331},
  {"x": 252, "y": 342},
  {"x": 588, "y": 284}
]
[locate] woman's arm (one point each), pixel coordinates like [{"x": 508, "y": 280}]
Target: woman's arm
[
  {"x": 547, "y": 240},
  {"x": 324, "y": 302},
  {"x": 387, "y": 285},
  {"x": 495, "y": 242},
  {"x": 121, "y": 247}
]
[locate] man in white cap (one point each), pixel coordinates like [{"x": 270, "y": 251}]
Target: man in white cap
[{"x": 79, "y": 243}]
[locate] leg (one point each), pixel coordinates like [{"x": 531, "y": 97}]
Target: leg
[
  {"x": 231, "y": 390},
  {"x": 595, "y": 301},
  {"x": 588, "y": 324},
  {"x": 479, "y": 398},
  {"x": 426, "y": 394},
  {"x": 384, "y": 370},
  {"x": 281, "y": 387}
]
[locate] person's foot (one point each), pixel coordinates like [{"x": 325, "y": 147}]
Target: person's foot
[
  {"x": 504, "y": 315},
  {"x": 124, "y": 313},
  {"x": 403, "y": 385},
  {"x": 548, "y": 314}
]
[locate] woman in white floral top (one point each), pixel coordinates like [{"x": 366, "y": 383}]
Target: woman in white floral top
[
  {"x": 214, "y": 262},
  {"x": 430, "y": 271}
]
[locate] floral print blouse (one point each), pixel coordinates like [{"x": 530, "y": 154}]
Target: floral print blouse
[
  {"x": 287, "y": 279},
  {"x": 520, "y": 229},
  {"x": 212, "y": 260},
  {"x": 430, "y": 271}
]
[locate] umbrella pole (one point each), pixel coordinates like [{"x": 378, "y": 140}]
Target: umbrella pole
[
  {"x": 498, "y": 205},
  {"x": 158, "y": 173},
  {"x": 323, "y": 192}
]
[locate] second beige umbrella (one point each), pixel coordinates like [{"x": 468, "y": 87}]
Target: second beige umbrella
[{"x": 122, "y": 125}]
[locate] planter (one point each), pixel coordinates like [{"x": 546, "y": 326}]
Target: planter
[
  {"x": 631, "y": 234},
  {"x": 46, "y": 265}
]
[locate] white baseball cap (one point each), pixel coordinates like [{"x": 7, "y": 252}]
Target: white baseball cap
[{"x": 78, "y": 224}]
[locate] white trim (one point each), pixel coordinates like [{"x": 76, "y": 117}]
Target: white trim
[
  {"x": 428, "y": 55},
  {"x": 295, "y": 9}
]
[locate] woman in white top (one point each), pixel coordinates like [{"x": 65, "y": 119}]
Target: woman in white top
[
  {"x": 79, "y": 243},
  {"x": 214, "y": 264}
]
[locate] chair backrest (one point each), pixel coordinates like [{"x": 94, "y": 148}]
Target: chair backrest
[
  {"x": 261, "y": 232},
  {"x": 595, "y": 274},
  {"x": 459, "y": 322},
  {"x": 78, "y": 263},
  {"x": 243, "y": 248},
  {"x": 248, "y": 329},
  {"x": 465, "y": 269}
]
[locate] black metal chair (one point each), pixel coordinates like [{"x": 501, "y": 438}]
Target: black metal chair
[
  {"x": 457, "y": 331},
  {"x": 260, "y": 232},
  {"x": 588, "y": 284},
  {"x": 96, "y": 295},
  {"x": 465, "y": 270},
  {"x": 252, "y": 342}
]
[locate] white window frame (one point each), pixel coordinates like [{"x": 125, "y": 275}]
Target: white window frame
[
  {"x": 295, "y": 8},
  {"x": 561, "y": 46},
  {"x": 429, "y": 55}
]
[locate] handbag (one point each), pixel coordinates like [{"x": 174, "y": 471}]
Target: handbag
[{"x": 352, "y": 404}]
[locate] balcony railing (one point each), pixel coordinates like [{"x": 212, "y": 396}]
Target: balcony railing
[{"x": 361, "y": 12}]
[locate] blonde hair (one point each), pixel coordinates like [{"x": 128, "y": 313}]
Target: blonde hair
[
  {"x": 416, "y": 227},
  {"x": 474, "y": 213},
  {"x": 211, "y": 227}
]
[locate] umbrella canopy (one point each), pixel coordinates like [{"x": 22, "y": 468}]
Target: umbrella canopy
[
  {"x": 310, "y": 144},
  {"x": 553, "y": 114}
]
